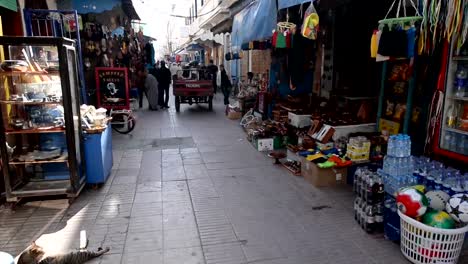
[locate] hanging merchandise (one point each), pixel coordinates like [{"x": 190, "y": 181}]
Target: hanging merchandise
[
  {"x": 282, "y": 36},
  {"x": 397, "y": 35},
  {"x": 310, "y": 26}
]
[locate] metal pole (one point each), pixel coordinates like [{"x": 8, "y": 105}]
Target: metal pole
[{"x": 381, "y": 94}]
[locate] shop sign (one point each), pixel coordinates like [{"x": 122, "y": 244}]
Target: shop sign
[{"x": 112, "y": 88}]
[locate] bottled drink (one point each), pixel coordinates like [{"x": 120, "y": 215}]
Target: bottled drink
[
  {"x": 362, "y": 210},
  {"x": 370, "y": 219},
  {"x": 447, "y": 140},
  {"x": 355, "y": 180},
  {"x": 379, "y": 217},
  {"x": 453, "y": 144},
  {"x": 457, "y": 186},
  {"x": 439, "y": 175},
  {"x": 369, "y": 190},
  {"x": 379, "y": 192},
  {"x": 357, "y": 202},
  {"x": 364, "y": 181},
  {"x": 461, "y": 82},
  {"x": 462, "y": 146},
  {"x": 452, "y": 114}
]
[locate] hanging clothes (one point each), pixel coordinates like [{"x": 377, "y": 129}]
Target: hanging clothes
[{"x": 393, "y": 43}]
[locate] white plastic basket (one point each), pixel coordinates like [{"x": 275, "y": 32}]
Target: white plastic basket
[{"x": 422, "y": 244}]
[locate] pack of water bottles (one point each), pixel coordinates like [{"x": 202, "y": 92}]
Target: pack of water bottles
[
  {"x": 398, "y": 165},
  {"x": 369, "y": 200},
  {"x": 399, "y": 146},
  {"x": 435, "y": 176}
]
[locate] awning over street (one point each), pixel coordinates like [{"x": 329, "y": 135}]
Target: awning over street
[
  {"x": 256, "y": 22},
  {"x": 10, "y": 4},
  {"x": 194, "y": 47},
  {"x": 288, "y": 3},
  {"x": 129, "y": 10}
]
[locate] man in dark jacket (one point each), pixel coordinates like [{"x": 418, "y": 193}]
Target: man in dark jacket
[
  {"x": 213, "y": 71},
  {"x": 164, "y": 79}
]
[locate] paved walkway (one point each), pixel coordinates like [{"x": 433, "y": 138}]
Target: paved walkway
[{"x": 188, "y": 188}]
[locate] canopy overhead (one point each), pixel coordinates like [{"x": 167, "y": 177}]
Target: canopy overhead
[
  {"x": 288, "y": 3},
  {"x": 194, "y": 47},
  {"x": 256, "y": 22}
]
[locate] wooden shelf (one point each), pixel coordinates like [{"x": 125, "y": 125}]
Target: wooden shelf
[
  {"x": 35, "y": 131},
  {"x": 17, "y": 73},
  {"x": 460, "y": 58},
  {"x": 459, "y": 98},
  {"x": 459, "y": 131},
  {"x": 29, "y": 103},
  {"x": 42, "y": 187},
  {"x": 59, "y": 160}
]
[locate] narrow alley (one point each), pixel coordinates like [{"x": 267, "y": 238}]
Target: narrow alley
[{"x": 188, "y": 188}]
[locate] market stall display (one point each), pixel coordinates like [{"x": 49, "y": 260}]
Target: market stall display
[{"x": 40, "y": 124}]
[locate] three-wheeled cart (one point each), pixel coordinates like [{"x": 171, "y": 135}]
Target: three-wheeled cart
[{"x": 193, "y": 86}]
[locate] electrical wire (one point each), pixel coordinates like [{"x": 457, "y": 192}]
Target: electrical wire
[{"x": 198, "y": 15}]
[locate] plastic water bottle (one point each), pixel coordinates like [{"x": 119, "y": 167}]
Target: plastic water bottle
[
  {"x": 457, "y": 186},
  {"x": 461, "y": 82},
  {"x": 439, "y": 176},
  {"x": 447, "y": 184},
  {"x": 454, "y": 140},
  {"x": 462, "y": 145}
]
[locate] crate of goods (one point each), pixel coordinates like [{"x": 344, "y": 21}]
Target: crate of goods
[
  {"x": 358, "y": 149},
  {"x": 299, "y": 121},
  {"x": 280, "y": 115}
]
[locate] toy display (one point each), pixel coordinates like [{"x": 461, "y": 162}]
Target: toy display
[
  {"x": 457, "y": 207},
  {"x": 437, "y": 199},
  {"x": 412, "y": 202},
  {"x": 437, "y": 218}
]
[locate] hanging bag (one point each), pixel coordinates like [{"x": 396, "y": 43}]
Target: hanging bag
[{"x": 310, "y": 24}]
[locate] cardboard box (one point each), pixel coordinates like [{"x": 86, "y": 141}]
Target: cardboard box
[
  {"x": 323, "y": 177},
  {"x": 264, "y": 144},
  {"x": 299, "y": 121},
  {"x": 234, "y": 115}
]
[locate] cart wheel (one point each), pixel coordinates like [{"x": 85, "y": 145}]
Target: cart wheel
[
  {"x": 177, "y": 104},
  {"x": 120, "y": 118},
  {"x": 210, "y": 103}
]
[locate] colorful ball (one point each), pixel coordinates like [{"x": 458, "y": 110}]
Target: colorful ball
[
  {"x": 439, "y": 219},
  {"x": 437, "y": 199},
  {"x": 457, "y": 207},
  {"x": 412, "y": 202}
]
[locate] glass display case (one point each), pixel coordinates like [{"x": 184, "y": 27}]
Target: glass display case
[
  {"x": 40, "y": 118},
  {"x": 453, "y": 140}
]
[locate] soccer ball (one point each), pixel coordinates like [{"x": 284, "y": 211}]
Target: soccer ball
[
  {"x": 457, "y": 207},
  {"x": 437, "y": 199},
  {"x": 440, "y": 219},
  {"x": 412, "y": 202}
]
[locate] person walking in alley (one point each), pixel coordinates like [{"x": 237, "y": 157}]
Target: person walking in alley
[
  {"x": 165, "y": 77},
  {"x": 213, "y": 71},
  {"x": 150, "y": 88},
  {"x": 222, "y": 80}
]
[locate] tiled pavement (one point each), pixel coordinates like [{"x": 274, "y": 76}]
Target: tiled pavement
[{"x": 189, "y": 189}]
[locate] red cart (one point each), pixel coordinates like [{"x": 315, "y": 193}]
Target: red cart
[{"x": 193, "y": 86}]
